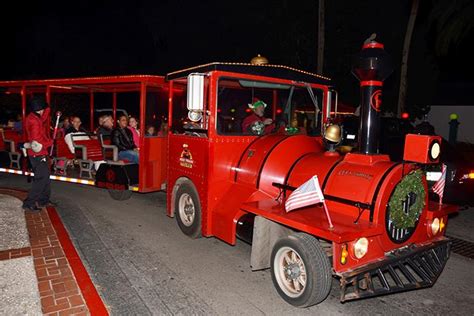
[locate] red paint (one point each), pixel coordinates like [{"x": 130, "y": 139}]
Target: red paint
[
  {"x": 371, "y": 83},
  {"x": 417, "y": 148},
  {"x": 376, "y": 100},
  {"x": 94, "y": 302},
  {"x": 373, "y": 45}
]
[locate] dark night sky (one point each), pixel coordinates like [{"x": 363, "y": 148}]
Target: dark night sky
[{"x": 65, "y": 39}]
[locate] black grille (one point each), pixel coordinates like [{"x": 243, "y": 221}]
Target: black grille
[{"x": 408, "y": 269}]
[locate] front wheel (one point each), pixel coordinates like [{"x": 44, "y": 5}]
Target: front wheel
[
  {"x": 188, "y": 210},
  {"x": 301, "y": 271}
]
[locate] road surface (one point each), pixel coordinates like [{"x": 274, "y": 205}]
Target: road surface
[{"x": 142, "y": 264}]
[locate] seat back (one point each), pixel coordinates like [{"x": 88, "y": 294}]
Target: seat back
[
  {"x": 62, "y": 149},
  {"x": 109, "y": 152},
  {"x": 89, "y": 149},
  {"x": 11, "y": 139}
]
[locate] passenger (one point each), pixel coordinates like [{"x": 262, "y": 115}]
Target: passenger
[
  {"x": 75, "y": 130},
  {"x": 18, "y": 125},
  {"x": 150, "y": 131},
  {"x": 105, "y": 126},
  {"x": 256, "y": 123},
  {"x": 63, "y": 126},
  {"x": 163, "y": 129},
  {"x": 122, "y": 138},
  {"x": 133, "y": 127},
  {"x": 11, "y": 123}
]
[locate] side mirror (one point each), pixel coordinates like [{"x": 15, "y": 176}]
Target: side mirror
[{"x": 195, "y": 101}]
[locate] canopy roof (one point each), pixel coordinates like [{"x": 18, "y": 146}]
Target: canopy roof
[{"x": 267, "y": 70}]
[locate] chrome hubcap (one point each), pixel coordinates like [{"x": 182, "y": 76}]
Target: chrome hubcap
[
  {"x": 187, "y": 210},
  {"x": 290, "y": 272}
]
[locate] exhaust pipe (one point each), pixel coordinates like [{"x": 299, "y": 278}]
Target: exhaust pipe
[{"x": 371, "y": 67}]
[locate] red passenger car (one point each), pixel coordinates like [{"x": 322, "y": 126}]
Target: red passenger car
[{"x": 144, "y": 97}]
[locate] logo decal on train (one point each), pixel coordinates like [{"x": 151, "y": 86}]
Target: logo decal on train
[{"x": 186, "y": 158}]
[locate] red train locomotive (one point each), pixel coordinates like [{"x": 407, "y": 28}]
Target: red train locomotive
[{"x": 385, "y": 236}]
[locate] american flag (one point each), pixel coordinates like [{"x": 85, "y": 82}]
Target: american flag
[
  {"x": 307, "y": 194},
  {"x": 438, "y": 187}
]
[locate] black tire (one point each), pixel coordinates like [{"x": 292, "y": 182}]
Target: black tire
[
  {"x": 188, "y": 214},
  {"x": 315, "y": 263},
  {"x": 120, "y": 195}
]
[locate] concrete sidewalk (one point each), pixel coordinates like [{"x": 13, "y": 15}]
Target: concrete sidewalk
[
  {"x": 19, "y": 292},
  {"x": 40, "y": 272}
]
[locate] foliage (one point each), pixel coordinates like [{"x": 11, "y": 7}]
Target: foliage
[
  {"x": 452, "y": 22},
  {"x": 410, "y": 184}
]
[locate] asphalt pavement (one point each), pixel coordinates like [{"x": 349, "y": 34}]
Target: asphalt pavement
[{"x": 142, "y": 264}]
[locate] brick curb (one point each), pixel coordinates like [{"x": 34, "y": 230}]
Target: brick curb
[{"x": 64, "y": 285}]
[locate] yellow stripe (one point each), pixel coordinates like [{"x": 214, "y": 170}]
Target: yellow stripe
[{"x": 53, "y": 177}]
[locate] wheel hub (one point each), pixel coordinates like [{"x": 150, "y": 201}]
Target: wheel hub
[{"x": 292, "y": 271}]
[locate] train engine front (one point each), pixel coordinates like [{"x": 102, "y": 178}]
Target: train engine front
[{"x": 381, "y": 233}]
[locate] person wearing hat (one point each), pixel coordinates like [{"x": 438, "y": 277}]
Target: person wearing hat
[
  {"x": 37, "y": 145},
  {"x": 256, "y": 123}
]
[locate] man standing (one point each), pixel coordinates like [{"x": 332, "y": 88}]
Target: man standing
[
  {"x": 39, "y": 141},
  {"x": 256, "y": 123}
]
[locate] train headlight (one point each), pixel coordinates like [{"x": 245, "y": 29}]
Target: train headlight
[
  {"x": 435, "y": 226},
  {"x": 360, "y": 247},
  {"x": 435, "y": 150}
]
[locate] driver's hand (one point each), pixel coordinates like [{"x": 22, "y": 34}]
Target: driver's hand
[{"x": 268, "y": 121}]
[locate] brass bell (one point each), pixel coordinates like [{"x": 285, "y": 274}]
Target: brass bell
[
  {"x": 333, "y": 133},
  {"x": 259, "y": 60}
]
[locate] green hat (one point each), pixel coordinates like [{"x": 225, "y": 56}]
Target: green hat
[{"x": 257, "y": 104}]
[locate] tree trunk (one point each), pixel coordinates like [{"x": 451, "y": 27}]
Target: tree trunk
[
  {"x": 319, "y": 68},
  {"x": 402, "y": 95}
]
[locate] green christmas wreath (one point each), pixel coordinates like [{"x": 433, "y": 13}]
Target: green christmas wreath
[{"x": 411, "y": 184}]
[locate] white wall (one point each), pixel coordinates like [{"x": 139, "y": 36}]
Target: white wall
[{"x": 439, "y": 118}]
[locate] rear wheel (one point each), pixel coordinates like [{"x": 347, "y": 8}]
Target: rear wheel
[
  {"x": 188, "y": 210},
  {"x": 120, "y": 195},
  {"x": 301, "y": 271}
]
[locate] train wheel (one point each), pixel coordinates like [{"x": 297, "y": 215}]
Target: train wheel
[
  {"x": 301, "y": 271},
  {"x": 188, "y": 210},
  {"x": 120, "y": 195}
]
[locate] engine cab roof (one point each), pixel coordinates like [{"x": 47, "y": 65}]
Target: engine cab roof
[{"x": 267, "y": 70}]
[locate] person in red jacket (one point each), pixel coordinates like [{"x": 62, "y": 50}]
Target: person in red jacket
[
  {"x": 38, "y": 139},
  {"x": 256, "y": 123}
]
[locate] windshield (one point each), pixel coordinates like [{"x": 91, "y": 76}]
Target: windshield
[{"x": 246, "y": 107}]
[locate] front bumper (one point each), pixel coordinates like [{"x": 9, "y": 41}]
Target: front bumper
[{"x": 407, "y": 269}]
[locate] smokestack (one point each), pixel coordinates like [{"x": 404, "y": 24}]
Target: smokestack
[{"x": 371, "y": 67}]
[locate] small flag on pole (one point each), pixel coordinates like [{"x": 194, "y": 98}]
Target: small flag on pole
[
  {"x": 308, "y": 193},
  {"x": 438, "y": 187}
]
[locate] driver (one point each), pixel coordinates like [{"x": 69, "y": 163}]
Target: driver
[{"x": 256, "y": 123}]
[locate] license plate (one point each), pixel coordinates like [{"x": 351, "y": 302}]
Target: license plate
[
  {"x": 433, "y": 175},
  {"x": 351, "y": 136}
]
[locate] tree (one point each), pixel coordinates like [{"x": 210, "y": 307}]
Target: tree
[
  {"x": 402, "y": 95},
  {"x": 453, "y": 22}
]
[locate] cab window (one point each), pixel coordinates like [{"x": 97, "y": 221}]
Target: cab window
[{"x": 246, "y": 107}]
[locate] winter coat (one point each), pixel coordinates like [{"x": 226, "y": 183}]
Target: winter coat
[
  {"x": 123, "y": 139},
  {"x": 36, "y": 129}
]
